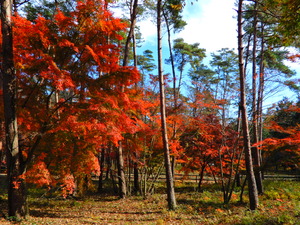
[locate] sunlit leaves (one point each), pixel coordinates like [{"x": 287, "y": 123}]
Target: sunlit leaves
[
  {"x": 283, "y": 145},
  {"x": 73, "y": 95}
]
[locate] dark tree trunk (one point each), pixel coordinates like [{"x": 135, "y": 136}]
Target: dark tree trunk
[
  {"x": 169, "y": 176},
  {"x": 201, "y": 176},
  {"x": 108, "y": 162},
  {"x": 136, "y": 180},
  {"x": 16, "y": 185},
  {"x": 253, "y": 194},
  {"x": 238, "y": 179},
  {"x": 101, "y": 159}
]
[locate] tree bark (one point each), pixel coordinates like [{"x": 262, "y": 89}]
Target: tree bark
[
  {"x": 255, "y": 150},
  {"x": 136, "y": 180},
  {"x": 121, "y": 173},
  {"x": 261, "y": 91},
  {"x": 201, "y": 176},
  {"x": 169, "y": 176},
  {"x": 133, "y": 13},
  {"x": 101, "y": 158},
  {"x": 252, "y": 188},
  {"x": 16, "y": 185},
  {"x": 174, "y": 86}
]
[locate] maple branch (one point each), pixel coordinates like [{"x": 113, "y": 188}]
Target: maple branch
[
  {"x": 44, "y": 128},
  {"x": 48, "y": 99},
  {"x": 61, "y": 104},
  {"x": 25, "y": 163},
  {"x": 21, "y": 3},
  {"x": 31, "y": 93}
]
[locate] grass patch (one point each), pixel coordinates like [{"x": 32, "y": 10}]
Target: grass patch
[{"x": 279, "y": 205}]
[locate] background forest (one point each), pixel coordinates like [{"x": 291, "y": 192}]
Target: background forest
[{"x": 81, "y": 108}]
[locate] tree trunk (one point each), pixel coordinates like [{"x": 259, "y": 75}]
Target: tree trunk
[
  {"x": 101, "y": 159},
  {"x": 133, "y": 13},
  {"x": 121, "y": 173},
  {"x": 16, "y": 185},
  {"x": 261, "y": 91},
  {"x": 255, "y": 150},
  {"x": 252, "y": 188},
  {"x": 201, "y": 176},
  {"x": 136, "y": 180},
  {"x": 169, "y": 176},
  {"x": 108, "y": 162},
  {"x": 173, "y": 160}
]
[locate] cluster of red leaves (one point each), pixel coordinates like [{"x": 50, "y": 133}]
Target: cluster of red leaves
[
  {"x": 287, "y": 145},
  {"x": 294, "y": 58},
  {"x": 207, "y": 144},
  {"x": 291, "y": 142},
  {"x": 73, "y": 95}
]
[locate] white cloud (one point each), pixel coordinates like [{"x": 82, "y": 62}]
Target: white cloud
[
  {"x": 210, "y": 23},
  {"x": 148, "y": 30}
]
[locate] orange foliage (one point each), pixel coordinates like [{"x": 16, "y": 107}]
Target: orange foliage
[
  {"x": 70, "y": 97},
  {"x": 288, "y": 144}
]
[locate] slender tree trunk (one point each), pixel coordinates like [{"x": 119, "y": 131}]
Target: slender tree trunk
[
  {"x": 238, "y": 175},
  {"x": 134, "y": 49},
  {"x": 108, "y": 162},
  {"x": 133, "y": 13},
  {"x": 172, "y": 60},
  {"x": 261, "y": 91},
  {"x": 136, "y": 181},
  {"x": 252, "y": 188},
  {"x": 175, "y": 95},
  {"x": 121, "y": 174},
  {"x": 169, "y": 176},
  {"x": 129, "y": 171},
  {"x": 16, "y": 185},
  {"x": 255, "y": 150},
  {"x": 2, "y": 132},
  {"x": 247, "y": 53},
  {"x": 101, "y": 159},
  {"x": 201, "y": 176}
]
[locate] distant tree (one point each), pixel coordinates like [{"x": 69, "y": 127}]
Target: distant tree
[
  {"x": 225, "y": 65},
  {"x": 172, "y": 14},
  {"x": 203, "y": 82},
  {"x": 183, "y": 55},
  {"x": 146, "y": 65}
]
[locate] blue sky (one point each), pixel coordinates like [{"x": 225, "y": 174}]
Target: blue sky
[{"x": 211, "y": 23}]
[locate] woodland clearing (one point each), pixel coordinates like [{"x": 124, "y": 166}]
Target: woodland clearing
[{"x": 280, "y": 204}]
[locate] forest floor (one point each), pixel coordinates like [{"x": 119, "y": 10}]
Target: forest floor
[{"x": 279, "y": 205}]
